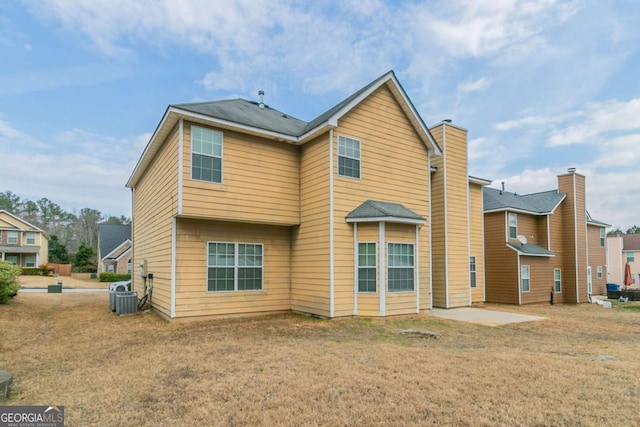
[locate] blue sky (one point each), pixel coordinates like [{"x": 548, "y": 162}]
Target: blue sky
[{"x": 541, "y": 85}]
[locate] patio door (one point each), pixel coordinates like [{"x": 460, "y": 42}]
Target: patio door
[{"x": 589, "y": 284}]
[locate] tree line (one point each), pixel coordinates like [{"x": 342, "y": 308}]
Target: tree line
[
  {"x": 73, "y": 236},
  {"x": 631, "y": 230}
]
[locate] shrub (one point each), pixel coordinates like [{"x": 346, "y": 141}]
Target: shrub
[
  {"x": 45, "y": 270},
  {"x": 30, "y": 271},
  {"x": 8, "y": 281},
  {"x": 114, "y": 277}
]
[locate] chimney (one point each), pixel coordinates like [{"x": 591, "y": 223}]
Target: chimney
[{"x": 261, "y": 95}]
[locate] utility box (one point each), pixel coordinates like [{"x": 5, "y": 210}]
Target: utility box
[
  {"x": 54, "y": 289},
  {"x": 126, "y": 303}
]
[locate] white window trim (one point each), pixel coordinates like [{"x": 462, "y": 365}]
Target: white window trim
[
  {"x": 603, "y": 237},
  {"x": 358, "y": 268},
  {"x": 555, "y": 291},
  {"x": 515, "y": 216},
  {"x": 26, "y": 240},
  {"x": 474, "y": 272},
  {"x": 221, "y": 157},
  {"x": 633, "y": 257},
  {"x": 599, "y": 272},
  {"x": 359, "y": 177},
  {"x": 394, "y": 267},
  {"x": 522, "y": 278},
  {"x": 235, "y": 267},
  {"x": 15, "y": 233}
]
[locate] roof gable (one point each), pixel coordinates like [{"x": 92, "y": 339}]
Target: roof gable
[
  {"x": 17, "y": 223},
  {"x": 112, "y": 236},
  {"x": 250, "y": 118}
]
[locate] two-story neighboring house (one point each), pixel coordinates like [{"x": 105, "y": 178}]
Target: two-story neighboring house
[
  {"x": 22, "y": 243},
  {"x": 239, "y": 208},
  {"x": 623, "y": 249},
  {"x": 543, "y": 247}
]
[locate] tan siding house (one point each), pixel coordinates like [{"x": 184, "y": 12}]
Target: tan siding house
[
  {"x": 623, "y": 249},
  {"x": 22, "y": 243},
  {"x": 241, "y": 209},
  {"x": 543, "y": 247},
  {"x": 457, "y": 222}
]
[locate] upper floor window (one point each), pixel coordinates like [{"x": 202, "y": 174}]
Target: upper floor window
[
  {"x": 400, "y": 267},
  {"x": 367, "y": 267},
  {"x": 525, "y": 280},
  {"x": 472, "y": 272},
  {"x": 602, "y": 237},
  {"x": 348, "y": 157},
  {"x": 206, "y": 154},
  {"x": 12, "y": 237},
  {"x": 513, "y": 225},
  {"x": 631, "y": 256},
  {"x": 557, "y": 280},
  {"x": 31, "y": 238}
]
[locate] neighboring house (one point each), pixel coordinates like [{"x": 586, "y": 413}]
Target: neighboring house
[
  {"x": 114, "y": 248},
  {"x": 457, "y": 221},
  {"x": 543, "y": 246},
  {"x": 239, "y": 208},
  {"x": 22, "y": 243},
  {"x": 623, "y": 248}
]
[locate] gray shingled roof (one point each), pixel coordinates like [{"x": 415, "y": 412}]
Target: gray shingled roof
[
  {"x": 248, "y": 113},
  {"x": 595, "y": 222},
  {"x": 111, "y": 236},
  {"x": 536, "y": 203},
  {"x": 529, "y": 249},
  {"x": 631, "y": 242},
  {"x": 373, "y": 209}
]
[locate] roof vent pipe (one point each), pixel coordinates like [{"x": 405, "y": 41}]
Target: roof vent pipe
[
  {"x": 261, "y": 95},
  {"x": 447, "y": 120},
  {"x": 502, "y": 191},
  {"x": 571, "y": 170}
]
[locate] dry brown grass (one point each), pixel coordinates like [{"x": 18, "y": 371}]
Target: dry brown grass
[
  {"x": 67, "y": 282},
  {"x": 579, "y": 367}
]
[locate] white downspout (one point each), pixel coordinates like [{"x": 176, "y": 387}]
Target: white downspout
[{"x": 331, "y": 231}]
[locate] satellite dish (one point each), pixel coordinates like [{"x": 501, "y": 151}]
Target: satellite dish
[{"x": 522, "y": 239}]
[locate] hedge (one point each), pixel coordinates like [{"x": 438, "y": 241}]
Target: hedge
[
  {"x": 8, "y": 281},
  {"x": 114, "y": 277}
]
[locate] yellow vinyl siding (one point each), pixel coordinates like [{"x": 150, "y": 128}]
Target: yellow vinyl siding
[
  {"x": 310, "y": 240},
  {"x": 450, "y": 219},
  {"x": 192, "y": 297},
  {"x": 155, "y": 203},
  {"x": 393, "y": 169},
  {"x": 259, "y": 182},
  {"x": 476, "y": 239},
  {"x": 369, "y": 304}
]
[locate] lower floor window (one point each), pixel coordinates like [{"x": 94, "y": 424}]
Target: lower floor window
[
  {"x": 367, "y": 274},
  {"x": 525, "y": 284},
  {"x": 557, "y": 280},
  {"x": 400, "y": 269},
  {"x": 599, "y": 272},
  {"x": 110, "y": 268},
  {"x": 12, "y": 259},
  {"x": 30, "y": 261},
  {"x": 472, "y": 272},
  {"x": 234, "y": 266}
]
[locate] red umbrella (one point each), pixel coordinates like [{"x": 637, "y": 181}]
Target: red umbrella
[{"x": 627, "y": 275}]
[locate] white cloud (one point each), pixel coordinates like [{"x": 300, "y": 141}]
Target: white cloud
[
  {"x": 91, "y": 173},
  {"x": 479, "y": 85},
  {"x": 597, "y": 119}
]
